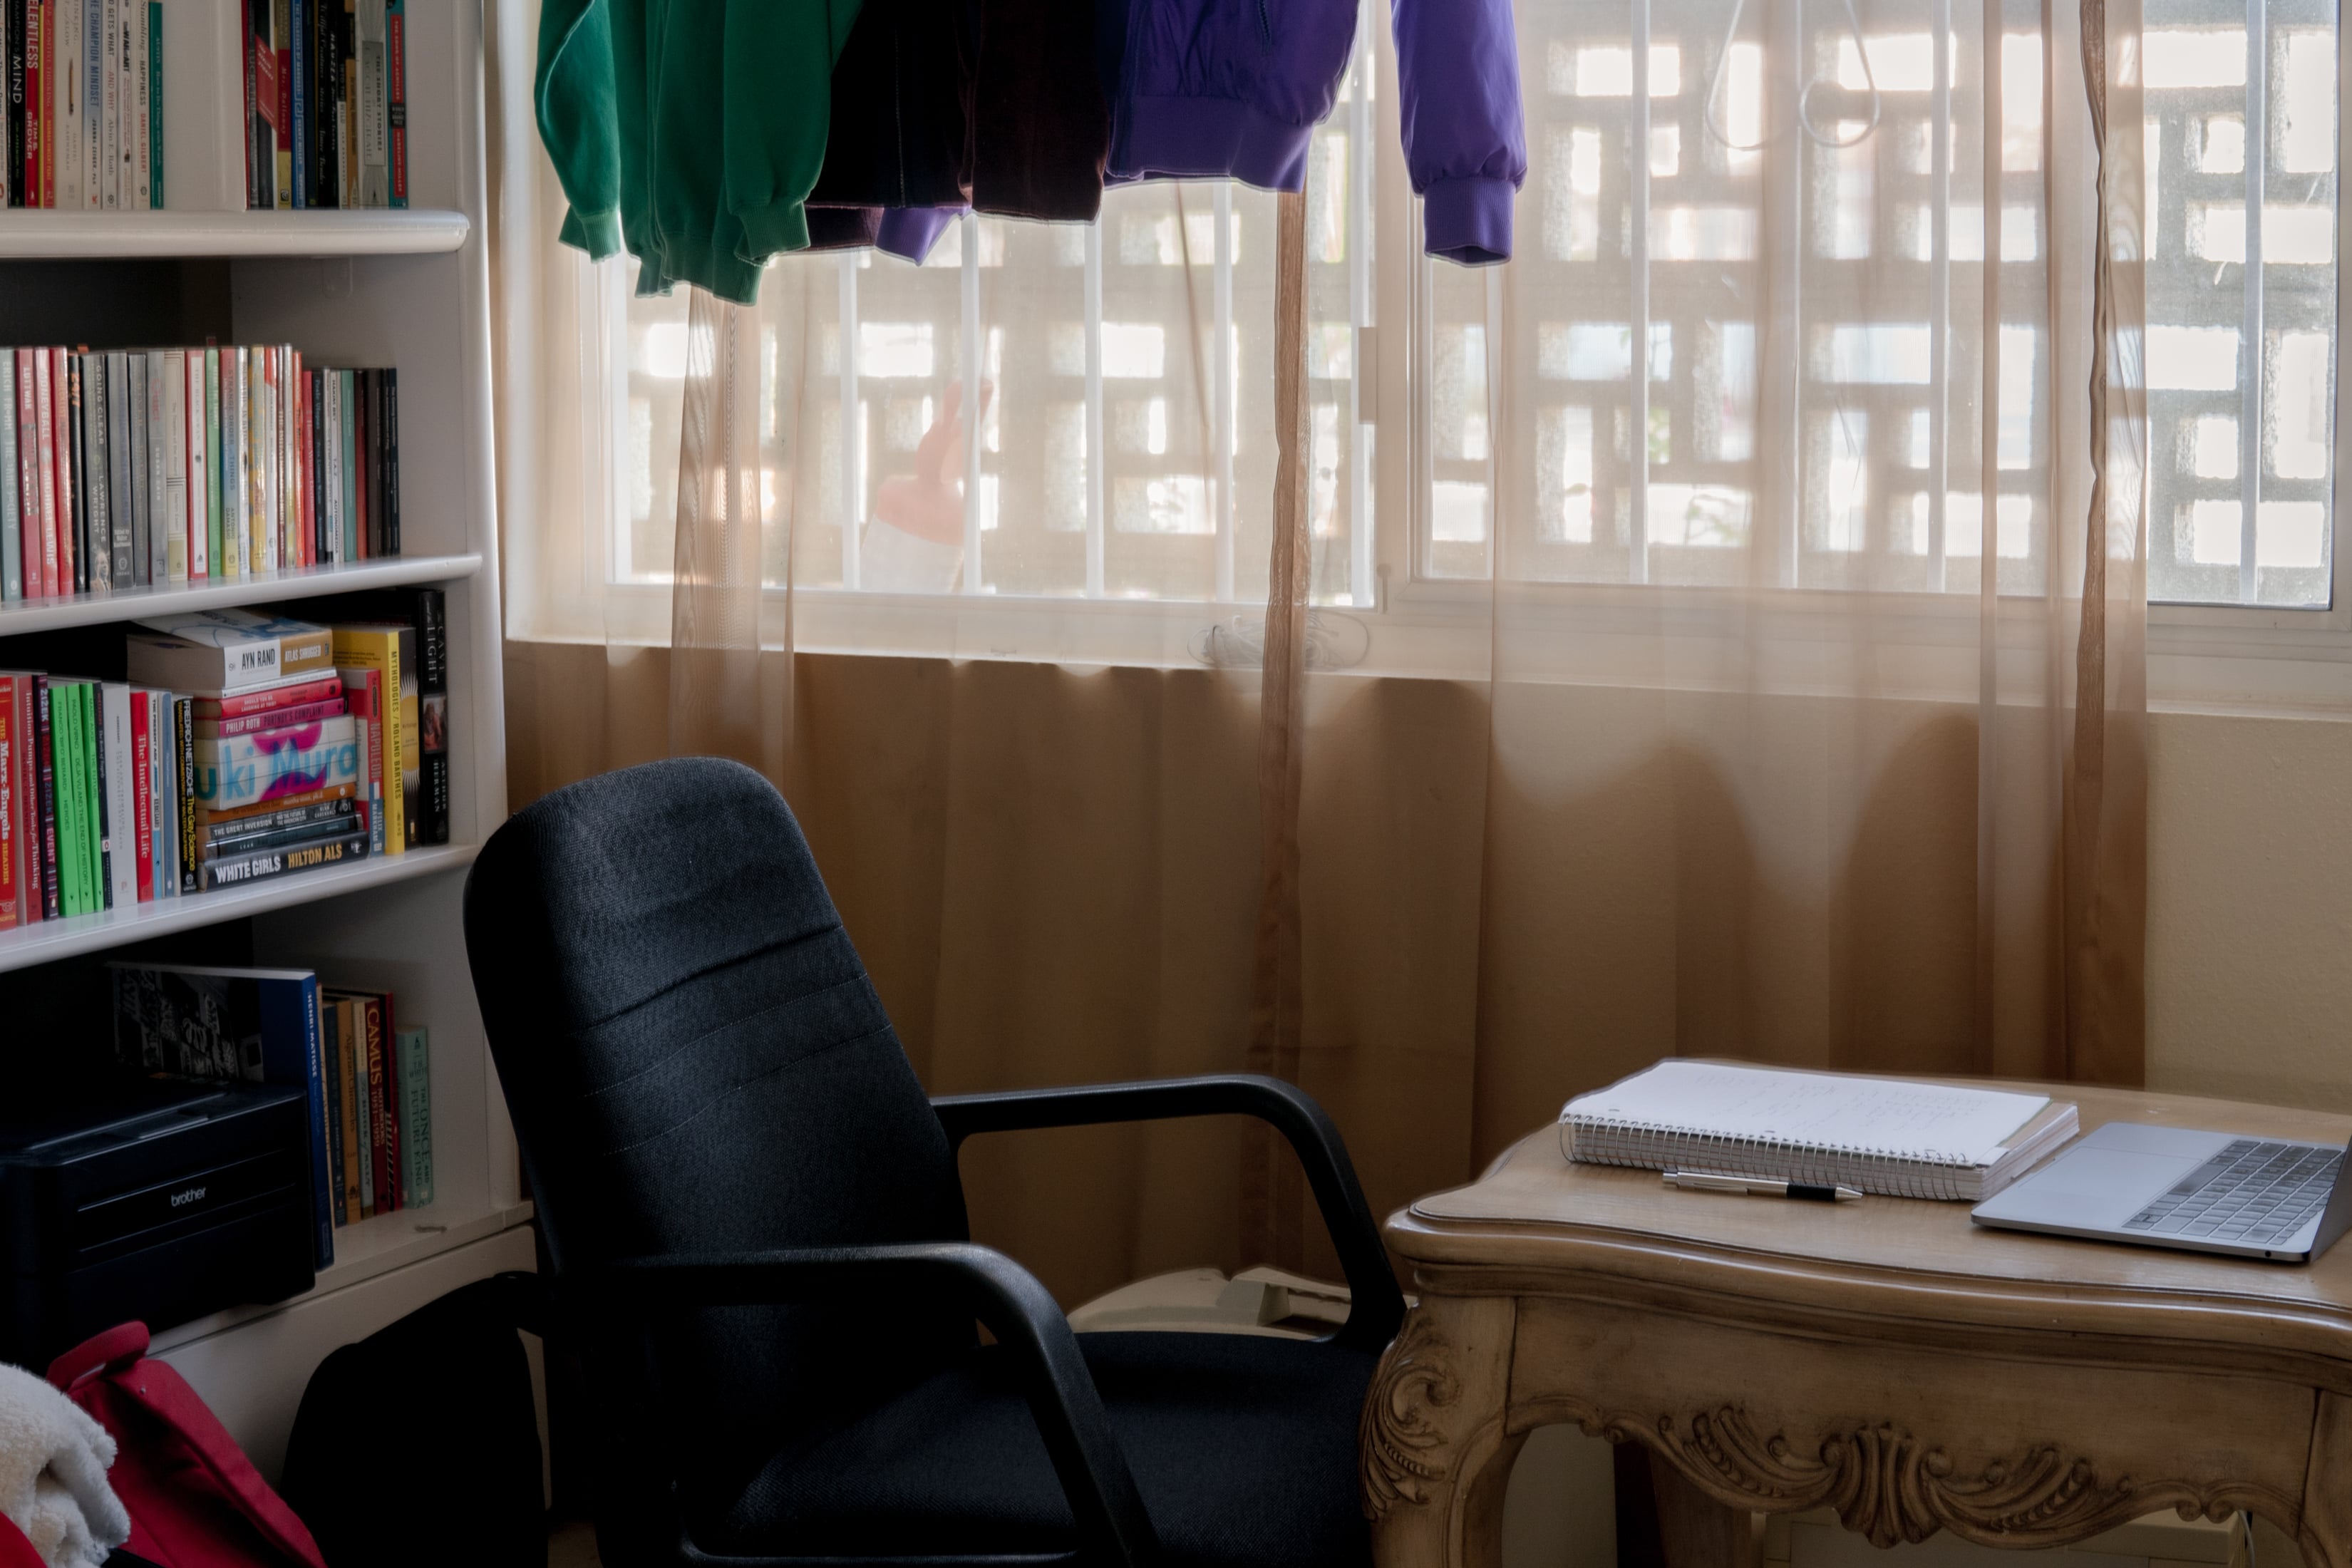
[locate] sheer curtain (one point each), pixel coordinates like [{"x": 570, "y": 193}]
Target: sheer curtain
[{"x": 1747, "y": 660}]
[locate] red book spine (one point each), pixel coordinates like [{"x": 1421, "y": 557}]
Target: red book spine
[
  {"x": 35, "y": 134},
  {"x": 27, "y": 809},
  {"x": 319, "y": 691},
  {"x": 27, "y": 477},
  {"x": 46, "y": 454},
  {"x": 61, "y": 384},
  {"x": 245, "y": 34},
  {"x": 373, "y": 1009},
  {"x": 142, "y": 799},
  {"x": 51, "y": 901},
  {"x": 272, "y": 719},
  {"x": 11, "y": 892}
]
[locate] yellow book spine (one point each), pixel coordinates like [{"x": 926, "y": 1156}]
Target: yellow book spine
[{"x": 378, "y": 648}]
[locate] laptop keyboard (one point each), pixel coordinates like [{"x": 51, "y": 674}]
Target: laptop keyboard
[{"x": 2253, "y": 1191}]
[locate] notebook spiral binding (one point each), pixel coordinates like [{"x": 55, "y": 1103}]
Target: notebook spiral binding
[{"x": 1660, "y": 1146}]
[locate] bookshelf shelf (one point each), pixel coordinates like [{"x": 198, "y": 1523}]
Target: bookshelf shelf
[
  {"x": 133, "y": 604},
  {"x": 29, "y": 233},
  {"x": 51, "y": 940},
  {"x": 364, "y": 1251}
]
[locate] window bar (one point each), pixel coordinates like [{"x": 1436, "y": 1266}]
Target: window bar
[
  {"x": 1492, "y": 279},
  {"x": 1223, "y": 395},
  {"x": 2250, "y": 380},
  {"x": 1637, "y": 564},
  {"x": 608, "y": 346},
  {"x": 1360, "y": 313},
  {"x": 1097, "y": 455},
  {"x": 1779, "y": 385},
  {"x": 1989, "y": 403},
  {"x": 971, "y": 350},
  {"x": 853, "y": 430},
  {"x": 1939, "y": 282}
]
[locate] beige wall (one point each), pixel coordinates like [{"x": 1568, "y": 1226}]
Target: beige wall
[{"x": 2250, "y": 908}]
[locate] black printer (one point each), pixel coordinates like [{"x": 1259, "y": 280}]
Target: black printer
[{"x": 155, "y": 1200}]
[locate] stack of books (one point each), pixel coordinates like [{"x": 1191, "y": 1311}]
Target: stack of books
[
  {"x": 239, "y": 748},
  {"x": 326, "y": 103},
  {"x": 85, "y": 104},
  {"x": 367, "y": 1081},
  {"x": 140, "y": 468}
]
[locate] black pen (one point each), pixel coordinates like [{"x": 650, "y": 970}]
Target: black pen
[{"x": 1760, "y": 1186}]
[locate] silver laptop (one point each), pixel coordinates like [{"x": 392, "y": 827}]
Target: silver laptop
[{"x": 2200, "y": 1192}]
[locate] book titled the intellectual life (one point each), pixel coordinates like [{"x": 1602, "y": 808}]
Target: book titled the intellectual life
[
  {"x": 1897, "y": 1137},
  {"x": 225, "y": 652}
]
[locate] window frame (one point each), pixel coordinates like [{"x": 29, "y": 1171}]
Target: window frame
[{"x": 2201, "y": 656}]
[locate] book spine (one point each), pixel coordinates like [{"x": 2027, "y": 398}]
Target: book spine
[
  {"x": 73, "y": 801},
  {"x": 19, "y": 189},
  {"x": 154, "y": 440},
  {"x": 176, "y": 489},
  {"x": 93, "y": 105},
  {"x": 416, "y": 1121},
  {"x": 233, "y": 482},
  {"x": 282, "y": 123},
  {"x": 317, "y": 814},
  {"x": 314, "y": 1097},
  {"x": 432, "y": 615},
  {"x": 122, "y": 55},
  {"x": 352, "y": 1058},
  {"x": 156, "y": 198},
  {"x": 370, "y": 433},
  {"x": 12, "y": 884},
  {"x": 297, "y": 61},
  {"x": 160, "y": 795},
  {"x": 109, "y": 520},
  {"x": 331, "y": 1051},
  {"x": 390, "y": 380},
  {"x": 33, "y": 905},
  {"x": 378, "y": 1188},
  {"x": 132, "y": 467},
  {"x": 11, "y": 521},
  {"x": 37, "y": 104},
  {"x": 238, "y": 871},
  {"x": 319, "y": 688},
  {"x": 143, "y": 819},
  {"x": 395, "y": 57},
  {"x": 365, "y": 1126},
  {"x": 217, "y": 565},
  {"x": 107, "y": 95},
  {"x": 331, "y": 444},
  {"x": 71, "y": 510},
  {"x": 45, "y": 719},
  {"x": 247, "y": 775},
  {"x": 46, "y": 472},
  {"x": 376, "y": 187},
  {"x": 106, "y": 776},
  {"x": 184, "y": 772},
  {"x": 384, "y": 1062},
  {"x": 270, "y": 718},
  {"x": 35, "y": 479}
]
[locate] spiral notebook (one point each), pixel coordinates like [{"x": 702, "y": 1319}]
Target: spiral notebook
[{"x": 1891, "y": 1136}]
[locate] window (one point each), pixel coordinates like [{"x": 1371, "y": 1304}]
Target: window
[
  {"x": 2242, "y": 151},
  {"x": 1779, "y": 317}
]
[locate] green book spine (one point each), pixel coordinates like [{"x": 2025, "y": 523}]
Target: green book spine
[
  {"x": 212, "y": 462},
  {"x": 73, "y": 800},
  {"x": 416, "y": 1118},
  {"x": 94, "y": 809}
]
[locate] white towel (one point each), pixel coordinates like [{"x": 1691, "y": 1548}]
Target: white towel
[{"x": 53, "y": 1461}]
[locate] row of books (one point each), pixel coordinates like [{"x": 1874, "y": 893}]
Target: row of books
[
  {"x": 85, "y": 104},
  {"x": 368, "y": 1082},
  {"x": 238, "y": 748},
  {"x": 326, "y": 103},
  {"x": 131, "y": 468}
]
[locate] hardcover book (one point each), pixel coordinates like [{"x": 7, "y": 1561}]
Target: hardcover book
[
  {"x": 226, "y": 652},
  {"x": 258, "y": 1025}
]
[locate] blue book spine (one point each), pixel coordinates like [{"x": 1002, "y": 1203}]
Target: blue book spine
[
  {"x": 282, "y": 1033},
  {"x": 300, "y": 64}
]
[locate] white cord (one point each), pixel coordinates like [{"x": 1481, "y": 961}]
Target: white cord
[{"x": 1804, "y": 99}]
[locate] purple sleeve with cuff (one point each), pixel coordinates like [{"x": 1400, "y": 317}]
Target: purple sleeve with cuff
[{"x": 1465, "y": 142}]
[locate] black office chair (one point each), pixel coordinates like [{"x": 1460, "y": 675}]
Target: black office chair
[{"x": 759, "y": 1242}]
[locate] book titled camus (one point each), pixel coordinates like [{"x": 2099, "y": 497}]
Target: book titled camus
[
  {"x": 244, "y": 771},
  {"x": 216, "y": 653}
]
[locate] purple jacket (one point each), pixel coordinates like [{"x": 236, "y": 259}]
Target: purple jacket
[{"x": 1236, "y": 86}]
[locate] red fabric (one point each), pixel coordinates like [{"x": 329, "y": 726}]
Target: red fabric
[
  {"x": 194, "y": 1499},
  {"x": 15, "y": 1552}
]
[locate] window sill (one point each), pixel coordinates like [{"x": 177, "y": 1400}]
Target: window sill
[{"x": 1918, "y": 648}]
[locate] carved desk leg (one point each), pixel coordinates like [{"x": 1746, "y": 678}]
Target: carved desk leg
[
  {"x": 1434, "y": 1453},
  {"x": 2326, "y": 1529}
]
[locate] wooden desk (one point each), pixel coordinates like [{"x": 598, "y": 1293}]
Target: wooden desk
[{"x": 1887, "y": 1359}]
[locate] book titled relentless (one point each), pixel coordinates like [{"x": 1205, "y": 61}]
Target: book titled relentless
[
  {"x": 225, "y": 652},
  {"x": 1895, "y": 1137}
]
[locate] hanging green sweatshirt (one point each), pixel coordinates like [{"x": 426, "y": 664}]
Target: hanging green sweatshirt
[{"x": 689, "y": 131}]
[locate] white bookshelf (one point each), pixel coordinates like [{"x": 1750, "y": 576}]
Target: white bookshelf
[{"x": 407, "y": 288}]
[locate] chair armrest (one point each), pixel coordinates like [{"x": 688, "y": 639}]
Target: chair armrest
[
  {"x": 1113, "y": 1527},
  {"x": 1376, "y": 1306}
]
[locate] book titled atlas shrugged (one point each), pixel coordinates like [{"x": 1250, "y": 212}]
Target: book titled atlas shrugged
[{"x": 217, "y": 653}]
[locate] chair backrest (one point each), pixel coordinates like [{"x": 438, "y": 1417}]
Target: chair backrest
[{"x": 695, "y": 1061}]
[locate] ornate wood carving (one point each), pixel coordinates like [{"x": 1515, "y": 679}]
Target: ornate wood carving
[
  {"x": 1892, "y": 1487},
  {"x": 1401, "y": 1444}
]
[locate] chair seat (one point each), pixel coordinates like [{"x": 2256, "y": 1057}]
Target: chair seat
[{"x": 1244, "y": 1449}]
